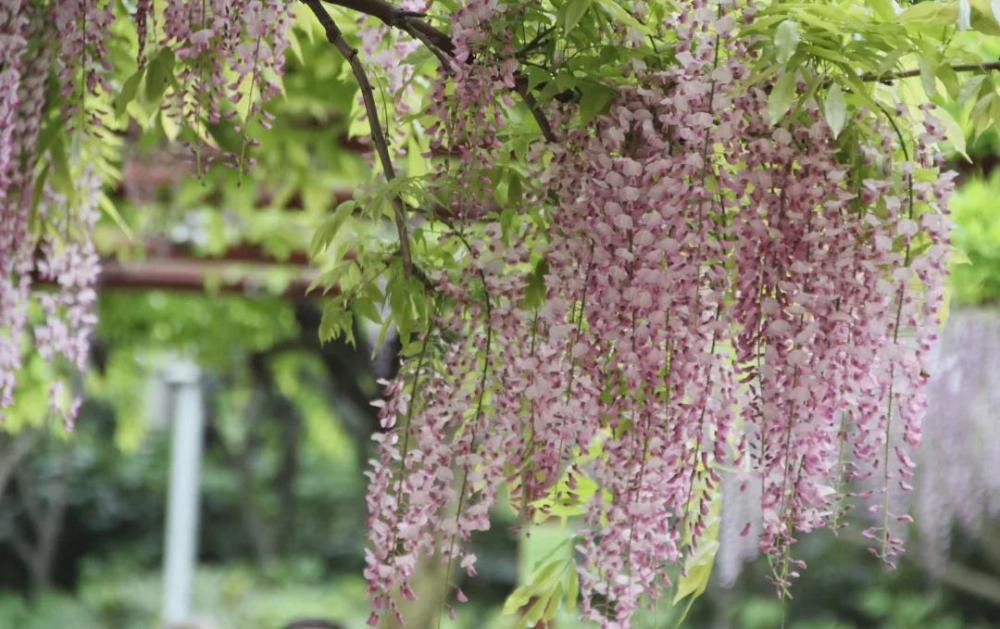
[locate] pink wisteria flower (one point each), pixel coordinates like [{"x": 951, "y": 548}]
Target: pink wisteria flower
[{"x": 720, "y": 294}]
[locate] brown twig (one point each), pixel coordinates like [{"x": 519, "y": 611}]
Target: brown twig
[
  {"x": 336, "y": 37},
  {"x": 521, "y": 87},
  {"x": 907, "y": 74},
  {"x": 393, "y": 16},
  {"x": 439, "y": 43}
]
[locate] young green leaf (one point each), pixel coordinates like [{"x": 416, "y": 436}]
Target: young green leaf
[
  {"x": 328, "y": 230},
  {"x": 594, "y": 100},
  {"x": 619, "y": 14},
  {"x": 575, "y": 10},
  {"x": 835, "y": 109},
  {"x": 781, "y": 98},
  {"x": 883, "y": 9},
  {"x": 786, "y": 40},
  {"x": 159, "y": 75},
  {"x": 930, "y": 14},
  {"x": 129, "y": 90},
  {"x": 954, "y": 132},
  {"x": 927, "y": 77},
  {"x": 985, "y": 16}
]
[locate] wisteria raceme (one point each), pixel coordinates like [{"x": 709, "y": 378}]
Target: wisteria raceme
[
  {"x": 13, "y": 226},
  {"x": 419, "y": 476},
  {"x": 232, "y": 52},
  {"x": 72, "y": 265},
  {"x": 390, "y": 50},
  {"x": 83, "y": 27},
  {"x": 229, "y": 52},
  {"x": 719, "y": 292},
  {"x": 698, "y": 302},
  {"x": 955, "y": 487},
  {"x": 143, "y": 14},
  {"x": 67, "y": 258}
]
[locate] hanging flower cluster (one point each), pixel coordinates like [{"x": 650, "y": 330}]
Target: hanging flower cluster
[
  {"x": 720, "y": 293},
  {"x": 68, "y": 261},
  {"x": 695, "y": 290},
  {"x": 14, "y": 256},
  {"x": 419, "y": 476},
  {"x": 228, "y": 52},
  {"x": 65, "y": 258},
  {"x": 955, "y": 487},
  {"x": 232, "y": 52},
  {"x": 82, "y": 27},
  {"x": 391, "y": 50}
]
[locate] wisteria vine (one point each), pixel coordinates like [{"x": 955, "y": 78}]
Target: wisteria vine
[
  {"x": 722, "y": 295},
  {"x": 232, "y": 57},
  {"x": 693, "y": 297}
]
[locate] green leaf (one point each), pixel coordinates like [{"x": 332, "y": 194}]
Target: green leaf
[
  {"x": 695, "y": 581},
  {"x": 534, "y": 614},
  {"x": 927, "y": 77},
  {"x": 328, "y": 230},
  {"x": 61, "y": 175},
  {"x": 171, "y": 127},
  {"x": 970, "y": 90},
  {"x": 949, "y": 78},
  {"x": 615, "y": 10},
  {"x": 416, "y": 163},
  {"x": 515, "y": 193},
  {"x": 367, "y": 309},
  {"x": 995, "y": 110},
  {"x": 980, "y": 115},
  {"x": 930, "y": 14},
  {"x": 534, "y": 292},
  {"x": 953, "y": 131},
  {"x": 337, "y": 321},
  {"x": 296, "y": 46},
  {"x": 572, "y": 590},
  {"x": 401, "y": 305},
  {"x": 835, "y": 109},
  {"x": 553, "y": 605},
  {"x": 786, "y": 40},
  {"x": 518, "y": 599},
  {"x": 159, "y": 75},
  {"x": 986, "y": 16},
  {"x": 129, "y": 90},
  {"x": 111, "y": 210},
  {"x": 594, "y": 100},
  {"x": 883, "y": 9},
  {"x": 781, "y": 98},
  {"x": 575, "y": 10},
  {"x": 53, "y": 131}
]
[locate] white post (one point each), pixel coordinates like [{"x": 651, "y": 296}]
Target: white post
[{"x": 181, "y": 540}]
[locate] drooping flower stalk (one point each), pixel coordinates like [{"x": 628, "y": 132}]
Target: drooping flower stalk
[
  {"x": 17, "y": 98},
  {"x": 718, "y": 292},
  {"x": 703, "y": 289},
  {"x": 232, "y": 53}
]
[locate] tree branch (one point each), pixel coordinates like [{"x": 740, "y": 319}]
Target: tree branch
[
  {"x": 522, "y": 88},
  {"x": 907, "y": 74},
  {"x": 336, "y": 37},
  {"x": 439, "y": 43},
  {"x": 393, "y": 16}
]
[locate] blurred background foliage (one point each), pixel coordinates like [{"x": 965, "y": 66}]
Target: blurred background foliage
[{"x": 289, "y": 419}]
